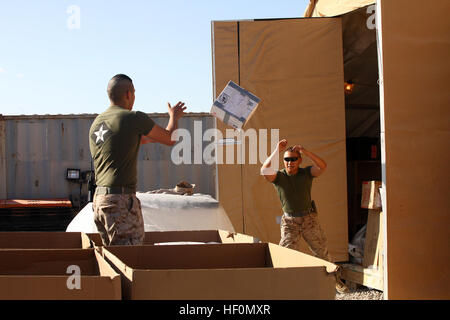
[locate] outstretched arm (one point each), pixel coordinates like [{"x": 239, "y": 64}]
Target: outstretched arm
[{"x": 164, "y": 136}]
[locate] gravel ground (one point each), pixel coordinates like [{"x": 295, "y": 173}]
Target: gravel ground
[{"x": 362, "y": 293}]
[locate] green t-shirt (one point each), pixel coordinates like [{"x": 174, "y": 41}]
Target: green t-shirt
[
  {"x": 294, "y": 191},
  {"x": 114, "y": 140}
]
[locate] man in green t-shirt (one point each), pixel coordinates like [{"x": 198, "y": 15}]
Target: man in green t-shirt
[
  {"x": 114, "y": 140},
  {"x": 293, "y": 185}
]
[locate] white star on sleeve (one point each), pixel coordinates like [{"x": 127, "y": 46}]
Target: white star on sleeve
[{"x": 100, "y": 134}]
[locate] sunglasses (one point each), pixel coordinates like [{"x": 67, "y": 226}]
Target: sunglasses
[{"x": 290, "y": 159}]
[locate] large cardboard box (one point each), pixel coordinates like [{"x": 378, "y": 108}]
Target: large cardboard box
[
  {"x": 262, "y": 271},
  {"x": 43, "y": 240},
  {"x": 57, "y": 274},
  {"x": 177, "y": 237}
]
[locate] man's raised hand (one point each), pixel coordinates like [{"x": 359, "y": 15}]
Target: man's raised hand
[
  {"x": 299, "y": 148},
  {"x": 282, "y": 144},
  {"x": 176, "y": 111}
]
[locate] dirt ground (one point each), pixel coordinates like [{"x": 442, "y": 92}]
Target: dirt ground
[{"x": 362, "y": 293}]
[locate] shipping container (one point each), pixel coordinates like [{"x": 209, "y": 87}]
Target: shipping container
[{"x": 37, "y": 150}]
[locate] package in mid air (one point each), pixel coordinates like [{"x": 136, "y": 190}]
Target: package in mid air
[{"x": 234, "y": 106}]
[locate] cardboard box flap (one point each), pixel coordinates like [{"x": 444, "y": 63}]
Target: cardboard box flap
[
  {"x": 57, "y": 274},
  {"x": 177, "y": 236},
  {"x": 40, "y": 240},
  {"x": 94, "y": 239},
  {"x": 104, "y": 268},
  {"x": 284, "y": 257},
  {"x": 233, "y": 237},
  {"x": 241, "y": 255},
  {"x": 46, "y": 262},
  {"x": 191, "y": 256},
  {"x": 54, "y": 275},
  {"x": 204, "y": 236}
]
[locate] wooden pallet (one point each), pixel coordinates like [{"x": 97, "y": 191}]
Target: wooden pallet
[{"x": 373, "y": 256}]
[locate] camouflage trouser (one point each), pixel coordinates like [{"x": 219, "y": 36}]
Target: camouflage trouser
[
  {"x": 118, "y": 218},
  {"x": 308, "y": 227}
]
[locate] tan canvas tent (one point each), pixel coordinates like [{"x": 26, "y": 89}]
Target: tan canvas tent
[
  {"x": 300, "y": 84},
  {"x": 298, "y": 67},
  {"x": 415, "y": 120},
  {"x": 331, "y": 8}
]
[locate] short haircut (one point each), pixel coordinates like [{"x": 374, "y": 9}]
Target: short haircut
[
  {"x": 291, "y": 149},
  {"x": 118, "y": 87}
]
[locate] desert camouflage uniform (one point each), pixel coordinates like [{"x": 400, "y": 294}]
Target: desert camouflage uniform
[
  {"x": 292, "y": 228},
  {"x": 306, "y": 224},
  {"x": 118, "y": 218},
  {"x": 308, "y": 227}
]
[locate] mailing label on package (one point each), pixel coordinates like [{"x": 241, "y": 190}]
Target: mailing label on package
[{"x": 236, "y": 105}]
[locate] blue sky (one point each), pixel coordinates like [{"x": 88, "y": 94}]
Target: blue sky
[{"x": 52, "y": 63}]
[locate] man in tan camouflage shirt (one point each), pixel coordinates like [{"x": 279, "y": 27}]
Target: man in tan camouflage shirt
[{"x": 114, "y": 140}]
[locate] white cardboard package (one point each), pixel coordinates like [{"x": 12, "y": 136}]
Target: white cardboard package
[{"x": 234, "y": 105}]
